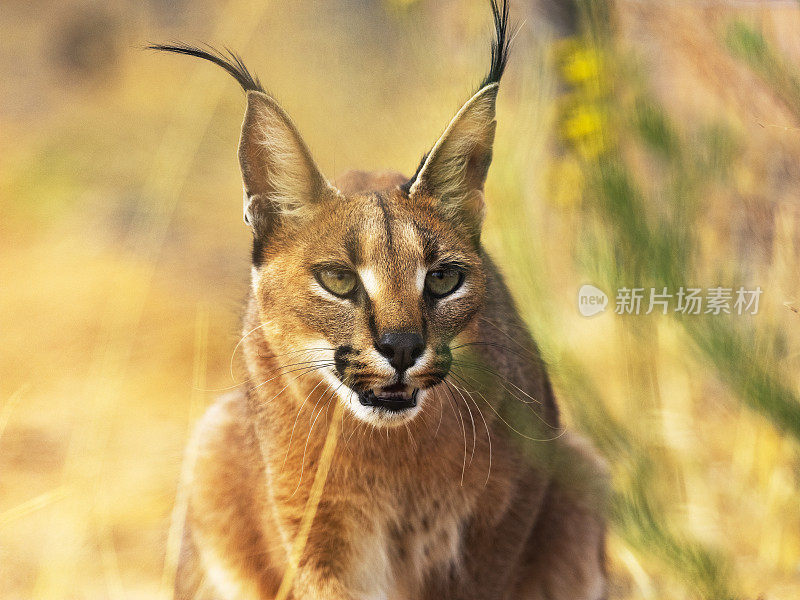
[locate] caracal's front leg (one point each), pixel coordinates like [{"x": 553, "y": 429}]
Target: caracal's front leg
[{"x": 344, "y": 557}]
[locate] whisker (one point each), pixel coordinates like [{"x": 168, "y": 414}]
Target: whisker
[
  {"x": 507, "y": 335},
  {"x": 423, "y": 415},
  {"x": 239, "y": 343},
  {"x": 310, "y": 431},
  {"x": 411, "y": 437},
  {"x": 320, "y": 366},
  {"x": 501, "y": 346},
  {"x": 474, "y": 436},
  {"x": 299, "y": 410},
  {"x": 249, "y": 333},
  {"x": 514, "y": 429},
  {"x": 284, "y": 388},
  {"x": 306, "y": 350},
  {"x": 464, "y": 377},
  {"x": 342, "y": 432},
  {"x": 499, "y": 376},
  {"x": 358, "y": 423},
  {"x": 488, "y": 434},
  {"x": 306, "y": 362},
  {"x": 528, "y": 405},
  {"x": 313, "y": 410},
  {"x": 463, "y": 431},
  {"x": 441, "y": 415},
  {"x": 250, "y": 379},
  {"x": 327, "y": 407},
  {"x": 308, "y": 436},
  {"x": 345, "y": 437},
  {"x": 227, "y": 388}
]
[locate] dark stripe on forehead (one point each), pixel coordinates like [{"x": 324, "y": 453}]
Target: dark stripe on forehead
[
  {"x": 387, "y": 218},
  {"x": 352, "y": 247},
  {"x": 429, "y": 245}
]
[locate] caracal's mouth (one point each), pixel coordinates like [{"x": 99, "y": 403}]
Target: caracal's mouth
[{"x": 394, "y": 398}]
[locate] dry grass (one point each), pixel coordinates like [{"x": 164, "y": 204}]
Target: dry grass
[{"x": 123, "y": 261}]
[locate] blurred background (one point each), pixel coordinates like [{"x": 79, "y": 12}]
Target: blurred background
[{"x": 640, "y": 143}]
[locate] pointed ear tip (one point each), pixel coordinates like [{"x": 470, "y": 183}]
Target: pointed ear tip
[
  {"x": 487, "y": 94},
  {"x": 258, "y": 96}
]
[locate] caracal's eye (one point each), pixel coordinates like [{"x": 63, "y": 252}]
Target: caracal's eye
[
  {"x": 338, "y": 282},
  {"x": 443, "y": 282}
]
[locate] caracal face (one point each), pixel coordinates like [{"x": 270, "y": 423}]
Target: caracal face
[
  {"x": 374, "y": 288},
  {"x": 368, "y": 289}
]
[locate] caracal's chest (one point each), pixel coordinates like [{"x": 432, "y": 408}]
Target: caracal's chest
[{"x": 415, "y": 533}]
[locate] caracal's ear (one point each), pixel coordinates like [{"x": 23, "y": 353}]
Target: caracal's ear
[
  {"x": 455, "y": 170},
  {"x": 453, "y": 173},
  {"x": 280, "y": 177}
]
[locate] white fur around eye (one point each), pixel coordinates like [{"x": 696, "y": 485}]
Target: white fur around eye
[
  {"x": 422, "y": 273},
  {"x": 323, "y": 293},
  {"x": 370, "y": 282},
  {"x": 459, "y": 293}
]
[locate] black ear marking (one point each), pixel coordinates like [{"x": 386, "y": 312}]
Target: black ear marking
[
  {"x": 501, "y": 44},
  {"x": 279, "y": 174},
  {"x": 227, "y": 59},
  {"x": 500, "y": 51}
]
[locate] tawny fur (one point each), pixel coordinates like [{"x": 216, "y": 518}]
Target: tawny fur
[
  {"x": 397, "y": 519},
  {"x": 469, "y": 489}
]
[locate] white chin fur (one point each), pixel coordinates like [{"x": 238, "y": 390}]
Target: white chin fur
[
  {"x": 379, "y": 417},
  {"x": 376, "y": 417}
]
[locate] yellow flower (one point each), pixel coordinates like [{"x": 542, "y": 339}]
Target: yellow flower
[
  {"x": 585, "y": 128},
  {"x": 584, "y": 121},
  {"x": 581, "y": 66}
]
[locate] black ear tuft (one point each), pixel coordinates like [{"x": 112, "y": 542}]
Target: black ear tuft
[
  {"x": 227, "y": 59},
  {"x": 500, "y": 45}
]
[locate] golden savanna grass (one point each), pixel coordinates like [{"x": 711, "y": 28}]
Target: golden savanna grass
[{"x": 124, "y": 262}]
